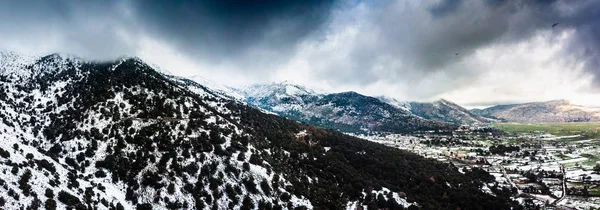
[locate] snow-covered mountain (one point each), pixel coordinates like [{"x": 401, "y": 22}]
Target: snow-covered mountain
[
  {"x": 548, "y": 111},
  {"x": 278, "y": 97},
  {"x": 346, "y": 111},
  {"x": 223, "y": 90},
  {"x": 440, "y": 110},
  {"x": 120, "y": 135},
  {"x": 404, "y": 105},
  {"x": 353, "y": 112}
]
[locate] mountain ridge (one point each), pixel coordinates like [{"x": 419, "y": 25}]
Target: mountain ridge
[
  {"x": 300, "y": 106},
  {"x": 447, "y": 111},
  {"x": 345, "y": 111}
]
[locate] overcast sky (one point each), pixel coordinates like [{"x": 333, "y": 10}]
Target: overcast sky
[{"x": 476, "y": 53}]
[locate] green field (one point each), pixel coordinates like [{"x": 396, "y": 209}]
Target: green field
[
  {"x": 561, "y": 156},
  {"x": 589, "y": 130},
  {"x": 594, "y": 190}
]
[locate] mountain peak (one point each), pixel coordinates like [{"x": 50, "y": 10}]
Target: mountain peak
[
  {"x": 350, "y": 93},
  {"x": 24, "y": 66},
  {"x": 446, "y": 111},
  {"x": 442, "y": 100},
  {"x": 286, "y": 82},
  {"x": 7, "y": 54},
  {"x": 559, "y": 102},
  {"x": 291, "y": 87},
  {"x": 280, "y": 89},
  {"x": 395, "y": 102},
  {"x": 59, "y": 56},
  {"x": 12, "y": 62}
]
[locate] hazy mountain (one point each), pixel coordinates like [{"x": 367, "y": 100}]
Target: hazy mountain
[
  {"x": 549, "y": 111},
  {"x": 120, "y": 135},
  {"x": 446, "y": 111},
  {"x": 278, "y": 97},
  {"x": 404, "y": 105},
  {"x": 346, "y": 111}
]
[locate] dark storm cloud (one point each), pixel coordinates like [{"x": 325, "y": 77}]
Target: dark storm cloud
[
  {"x": 520, "y": 20},
  {"x": 396, "y": 41},
  {"x": 445, "y": 7},
  {"x": 85, "y": 28},
  {"x": 587, "y": 44},
  {"x": 467, "y": 27},
  {"x": 226, "y": 29},
  {"x": 426, "y": 37}
]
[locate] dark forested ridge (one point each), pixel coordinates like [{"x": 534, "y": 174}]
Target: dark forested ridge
[
  {"x": 352, "y": 165},
  {"x": 119, "y": 135}
]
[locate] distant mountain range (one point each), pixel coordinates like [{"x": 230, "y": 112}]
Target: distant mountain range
[
  {"x": 346, "y": 111},
  {"x": 354, "y": 112},
  {"x": 549, "y": 111}
]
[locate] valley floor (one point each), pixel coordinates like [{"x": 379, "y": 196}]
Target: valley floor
[{"x": 557, "y": 171}]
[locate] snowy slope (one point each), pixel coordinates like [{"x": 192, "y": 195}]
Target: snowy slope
[
  {"x": 218, "y": 88},
  {"x": 277, "y": 97},
  {"x": 396, "y": 103},
  {"x": 48, "y": 123}
]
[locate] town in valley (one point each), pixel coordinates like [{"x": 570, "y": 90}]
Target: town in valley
[{"x": 542, "y": 169}]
